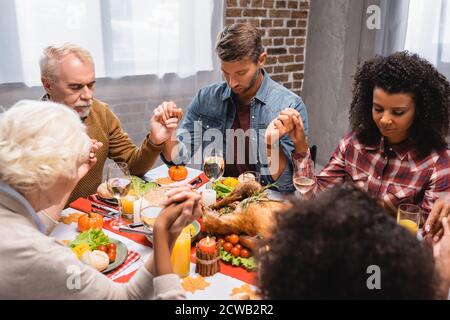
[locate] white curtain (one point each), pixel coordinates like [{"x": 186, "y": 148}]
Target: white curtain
[
  {"x": 394, "y": 19},
  {"x": 126, "y": 38},
  {"x": 428, "y": 31}
]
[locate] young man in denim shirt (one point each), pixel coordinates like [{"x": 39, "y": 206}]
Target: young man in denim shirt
[{"x": 237, "y": 116}]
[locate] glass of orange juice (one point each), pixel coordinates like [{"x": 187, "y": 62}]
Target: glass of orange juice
[
  {"x": 408, "y": 216},
  {"x": 127, "y": 204},
  {"x": 181, "y": 254}
]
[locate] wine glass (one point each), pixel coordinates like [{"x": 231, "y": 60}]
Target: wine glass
[
  {"x": 214, "y": 166},
  {"x": 119, "y": 183},
  {"x": 303, "y": 180}
]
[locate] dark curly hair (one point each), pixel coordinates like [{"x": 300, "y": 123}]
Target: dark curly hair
[
  {"x": 321, "y": 249},
  {"x": 403, "y": 72}
]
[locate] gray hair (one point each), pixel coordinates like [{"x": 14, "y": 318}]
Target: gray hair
[
  {"x": 41, "y": 142},
  {"x": 53, "y": 54}
]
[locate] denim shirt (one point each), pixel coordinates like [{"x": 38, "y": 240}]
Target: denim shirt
[{"x": 211, "y": 113}]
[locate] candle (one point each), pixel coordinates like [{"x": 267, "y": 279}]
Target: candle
[
  {"x": 209, "y": 197},
  {"x": 207, "y": 245}
]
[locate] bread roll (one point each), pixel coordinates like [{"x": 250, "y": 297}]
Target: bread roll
[
  {"x": 98, "y": 259},
  {"x": 103, "y": 191}
]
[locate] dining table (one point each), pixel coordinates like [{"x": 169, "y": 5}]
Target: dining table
[{"x": 220, "y": 285}]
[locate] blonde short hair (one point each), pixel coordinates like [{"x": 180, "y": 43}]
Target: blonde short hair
[
  {"x": 40, "y": 143},
  {"x": 53, "y": 54}
]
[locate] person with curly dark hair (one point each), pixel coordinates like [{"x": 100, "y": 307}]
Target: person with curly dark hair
[
  {"x": 341, "y": 245},
  {"x": 396, "y": 150}
]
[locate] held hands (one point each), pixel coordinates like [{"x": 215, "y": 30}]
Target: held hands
[
  {"x": 164, "y": 122},
  {"x": 289, "y": 122},
  {"x": 180, "y": 209},
  {"x": 86, "y": 166},
  {"x": 434, "y": 225}
]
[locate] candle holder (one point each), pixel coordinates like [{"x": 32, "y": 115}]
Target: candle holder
[{"x": 207, "y": 264}]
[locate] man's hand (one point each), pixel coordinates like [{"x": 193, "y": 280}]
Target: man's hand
[
  {"x": 279, "y": 127},
  {"x": 164, "y": 122},
  {"x": 297, "y": 134},
  {"x": 433, "y": 226},
  {"x": 86, "y": 166}
]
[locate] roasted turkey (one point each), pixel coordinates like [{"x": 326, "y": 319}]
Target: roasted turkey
[{"x": 246, "y": 210}]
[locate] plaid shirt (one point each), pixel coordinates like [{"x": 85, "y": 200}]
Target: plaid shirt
[{"x": 395, "y": 175}]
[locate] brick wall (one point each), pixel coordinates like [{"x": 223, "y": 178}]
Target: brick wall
[{"x": 285, "y": 24}]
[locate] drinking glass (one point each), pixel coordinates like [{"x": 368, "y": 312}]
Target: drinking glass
[
  {"x": 303, "y": 180},
  {"x": 181, "y": 254},
  {"x": 214, "y": 166},
  {"x": 119, "y": 183},
  {"x": 251, "y": 176},
  {"x": 408, "y": 216}
]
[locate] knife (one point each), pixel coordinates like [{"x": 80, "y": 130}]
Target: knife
[
  {"x": 104, "y": 207},
  {"x": 138, "y": 231},
  {"x": 105, "y": 214}
]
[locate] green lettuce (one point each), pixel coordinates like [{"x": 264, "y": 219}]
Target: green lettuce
[
  {"x": 141, "y": 187},
  {"x": 248, "y": 263},
  {"x": 93, "y": 237}
]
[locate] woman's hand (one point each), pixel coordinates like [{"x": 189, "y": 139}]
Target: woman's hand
[
  {"x": 433, "y": 226},
  {"x": 297, "y": 133},
  {"x": 279, "y": 127},
  {"x": 190, "y": 201}
]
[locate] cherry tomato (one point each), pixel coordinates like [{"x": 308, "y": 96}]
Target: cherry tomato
[
  {"x": 227, "y": 238},
  {"x": 112, "y": 255},
  {"x": 103, "y": 248},
  {"x": 238, "y": 246},
  {"x": 245, "y": 253},
  {"x": 234, "y": 239},
  {"x": 111, "y": 246},
  {"x": 235, "y": 252},
  {"x": 221, "y": 241},
  {"x": 227, "y": 246}
]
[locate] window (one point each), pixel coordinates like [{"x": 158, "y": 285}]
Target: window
[
  {"x": 126, "y": 38},
  {"x": 428, "y": 32}
]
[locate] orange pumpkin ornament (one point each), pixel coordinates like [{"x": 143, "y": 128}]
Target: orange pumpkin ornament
[
  {"x": 178, "y": 173},
  {"x": 90, "y": 221}
]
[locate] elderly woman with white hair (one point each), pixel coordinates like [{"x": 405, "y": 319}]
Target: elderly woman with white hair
[{"x": 44, "y": 151}]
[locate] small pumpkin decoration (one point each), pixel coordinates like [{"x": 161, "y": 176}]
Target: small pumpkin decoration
[
  {"x": 178, "y": 173},
  {"x": 90, "y": 221}
]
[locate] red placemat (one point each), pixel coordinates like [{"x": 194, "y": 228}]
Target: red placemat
[
  {"x": 138, "y": 238},
  {"x": 81, "y": 204}
]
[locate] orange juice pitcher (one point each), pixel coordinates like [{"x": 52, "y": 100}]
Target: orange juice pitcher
[{"x": 181, "y": 254}]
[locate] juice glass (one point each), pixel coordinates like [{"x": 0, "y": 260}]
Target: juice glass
[
  {"x": 408, "y": 216},
  {"x": 181, "y": 254}
]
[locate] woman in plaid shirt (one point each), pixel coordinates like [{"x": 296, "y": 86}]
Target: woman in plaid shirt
[{"x": 396, "y": 150}]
